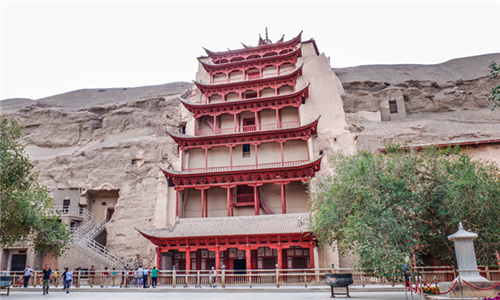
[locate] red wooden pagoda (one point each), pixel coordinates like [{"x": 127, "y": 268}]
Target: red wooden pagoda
[{"x": 240, "y": 200}]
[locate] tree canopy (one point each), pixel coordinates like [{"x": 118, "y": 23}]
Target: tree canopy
[
  {"x": 391, "y": 209},
  {"x": 25, "y": 206}
]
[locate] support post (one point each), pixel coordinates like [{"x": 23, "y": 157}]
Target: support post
[
  {"x": 283, "y": 199},
  {"x": 256, "y": 200}
]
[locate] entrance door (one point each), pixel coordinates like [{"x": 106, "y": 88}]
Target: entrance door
[
  {"x": 109, "y": 213},
  {"x": 18, "y": 262},
  {"x": 240, "y": 265}
]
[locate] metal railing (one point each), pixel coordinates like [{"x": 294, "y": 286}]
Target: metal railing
[
  {"x": 248, "y": 128},
  {"x": 246, "y": 167}
]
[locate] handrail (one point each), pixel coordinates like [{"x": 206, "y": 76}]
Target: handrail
[
  {"x": 246, "y": 167},
  {"x": 248, "y": 128},
  {"x": 252, "y": 77}
]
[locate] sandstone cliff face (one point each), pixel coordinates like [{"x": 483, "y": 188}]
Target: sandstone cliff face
[
  {"x": 436, "y": 104},
  {"x": 83, "y": 143}
]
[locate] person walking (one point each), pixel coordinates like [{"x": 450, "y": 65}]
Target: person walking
[
  {"x": 154, "y": 277},
  {"x": 69, "y": 278},
  {"x": 138, "y": 277},
  {"x": 47, "y": 274},
  {"x": 145, "y": 275},
  {"x": 27, "y": 275}
]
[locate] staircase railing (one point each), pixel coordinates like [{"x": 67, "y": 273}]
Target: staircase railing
[{"x": 264, "y": 206}]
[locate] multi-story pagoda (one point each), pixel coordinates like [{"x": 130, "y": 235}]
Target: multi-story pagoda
[{"x": 245, "y": 154}]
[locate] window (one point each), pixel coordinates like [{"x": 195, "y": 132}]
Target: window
[
  {"x": 393, "y": 107},
  {"x": 246, "y": 150}
]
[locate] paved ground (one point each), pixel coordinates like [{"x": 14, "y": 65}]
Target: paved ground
[{"x": 200, "y": 294}]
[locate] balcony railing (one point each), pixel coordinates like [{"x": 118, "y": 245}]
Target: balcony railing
[
  {"x": 248, "y": 128},
  {"x": 243, "y": 198},
  {"x": 246, "y": 167},
  {"x": 251, "y": 77}
]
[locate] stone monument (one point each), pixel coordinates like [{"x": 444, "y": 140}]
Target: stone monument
[{"x": 468, "y": 272}]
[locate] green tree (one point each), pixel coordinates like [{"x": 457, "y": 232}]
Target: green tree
[
  {"x": 494, "y": 94},
  {"x": 25, "y": 206},
  {"x": 392, "y": 208}
]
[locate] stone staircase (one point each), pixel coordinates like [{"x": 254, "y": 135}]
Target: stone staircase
[{"x": 84, "y": 237}]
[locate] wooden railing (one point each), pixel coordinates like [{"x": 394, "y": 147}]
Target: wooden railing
[
  {"x": 273, "y": 277},
  {"x": 246, "y": 167},
  {"x": 248, "y": 128},
  {"x": 251, "y": 77}
]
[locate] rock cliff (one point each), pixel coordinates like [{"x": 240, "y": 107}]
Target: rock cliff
[{"x": 86, "y": 138}]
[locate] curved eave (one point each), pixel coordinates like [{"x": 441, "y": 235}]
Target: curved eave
[
  {"x": 182, "y": 139},
  {"x": 214, "y": 67},
  {"x": 196, "y": 106},
  {"x": 205, "y": 86},
  {"x": 170, "y": 174},
  {"x": 293, "y": 41}
]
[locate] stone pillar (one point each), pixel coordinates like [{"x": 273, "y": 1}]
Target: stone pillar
[{"x": 466, "y": 256}]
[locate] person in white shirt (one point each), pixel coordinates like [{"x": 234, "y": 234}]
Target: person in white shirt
[{"x": 27, "y": 275}]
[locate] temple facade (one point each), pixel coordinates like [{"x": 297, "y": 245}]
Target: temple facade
[{"x": 239, "y": 197}]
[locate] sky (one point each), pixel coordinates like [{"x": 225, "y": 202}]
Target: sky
[{"x": 53, "y": 47}]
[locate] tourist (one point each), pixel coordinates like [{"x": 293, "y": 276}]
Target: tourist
[
  {"x": 138, "y": 277},
  {"x": 113, "y": 276},
  {"x": 69, "y": 278},
  {"x": 4, "y": 271},
  {"x": 27, "y": 275},
  {"x": 105, "y": 277},
  {"x": 154, "y": 277},
  {"x": 92, "y": 276},
  {"x": 55, "y": 277},
  {"x": 145, "y": 275},
  {"x": 47, "y": 272},
  {"x": 123, "y": 281}
]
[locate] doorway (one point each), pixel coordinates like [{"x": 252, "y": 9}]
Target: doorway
[
  {"x": 18, "y": 262},
  {"x": 240, "y": 266}
]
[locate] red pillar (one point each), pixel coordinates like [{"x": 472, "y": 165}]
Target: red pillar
[
  {"x": 282, "y": 155},
  {"x": 215, "y": 125},
  {"x": 283, "y": 199},
  {"x": 206, "y": 158},
  {"x": 182, "y": 158},
  {"x": 188, "y": 259},
  {"x": 158, "y": 258},
  {"x": 280, "y": 256},
  {"x": 256, "y": 200},
  {"x": 228, "y": 201},
  {"x": 217, "y": 258},
  {"x": 311, "y": 256},
  {"x": 231, "y": 156},
  {"x": 248, "y": 257},
  {"x": 235, "y": 124},
  {"x": 206, "y": 204},
  {"x": 176, "y": 203},
  {"x": 203, "y": 203},
  {"x": 256, "y": 155}
]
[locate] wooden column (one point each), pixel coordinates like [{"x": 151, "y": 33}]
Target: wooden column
[
  {"x": 206, "y": 204},
  {"x": 176, "y": 203},
  {"x": 228, "y": 201},
  {"x": 311, "y": 256},
  {"x": 217, "y": 258},
  {"x": 248, "y": 257},
  {"x": 203, "y": 203},
  {"x": 188, "y": 259},
  {"x": 282, "y": 155},
  {"x": 256, "y": 200},
  {"x": 215, "y": 125},
  {"x": 280, "y": 256},
  {"x": 206, "y": 158},
  {"x": 158, "y": 257},
  {"x": 283, "y": 199},
  {"x": 182, "y": 158},
  {"x": 231, "y": 156}
]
